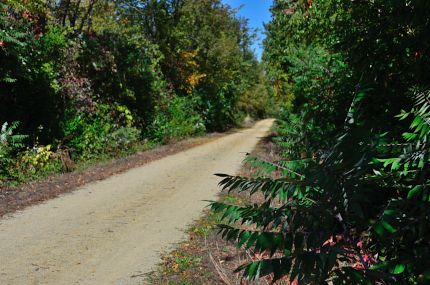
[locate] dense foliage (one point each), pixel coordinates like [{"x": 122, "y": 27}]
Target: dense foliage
[
  {"x": 91, "y": 78},
  {"x": 349, "y": 204}
]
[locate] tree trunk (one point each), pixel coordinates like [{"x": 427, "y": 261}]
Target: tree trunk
[
  {"x": 65, "y": 12},
  {"x": 87, "y": 15},
  {"x": 75, "y": 15}
]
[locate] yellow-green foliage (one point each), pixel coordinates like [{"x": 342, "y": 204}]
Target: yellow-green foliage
[
  {"x": 37, "y": 157},
  {"x": 126, "y": 113}
]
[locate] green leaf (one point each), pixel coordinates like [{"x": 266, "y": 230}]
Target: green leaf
[
  {"x": 252, "y": 269},
  {"x": 389, "y": 212},
  {"x": 409, "y": 136},
  {"x": 414, "y": 191},
  {"x": 396, "y": 164},
  {"x": 379, "y": 229},
  {"x": 403, "y": 115},
  {"x": 388, "y": 227},
  {"x": 399, "y": 269}
]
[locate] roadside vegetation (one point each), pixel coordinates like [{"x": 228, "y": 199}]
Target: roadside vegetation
[
  {"x": 343, "y": 199},
  {"x": 348, "y": 203},
  {"x": 83, "y": 81}
]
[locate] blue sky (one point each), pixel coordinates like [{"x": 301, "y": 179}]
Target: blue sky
[{"x": 257, "y": 11}]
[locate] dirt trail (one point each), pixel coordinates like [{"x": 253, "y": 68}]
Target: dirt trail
[{"x": 112, "y": 231}]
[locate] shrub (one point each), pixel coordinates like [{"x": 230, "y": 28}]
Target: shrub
[
  {"x": 179, "y": 120},
  {"x": 37, "y": 157},
  {"x": 356, "y": 214},
  {"x": 121, "y": 139},
  {"x": 37, "y": 161},
  {"x": 10, "y": 144},
  {"x": 99, "y": 135},
  {"x": 88, "y": 136}
]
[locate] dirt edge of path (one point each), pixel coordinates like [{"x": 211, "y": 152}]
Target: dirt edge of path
[
  {"x": 205, "y": 258},
  {"x": 13, "y": 199}
]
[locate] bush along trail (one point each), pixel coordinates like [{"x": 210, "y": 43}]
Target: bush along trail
[
  {"x": 14, "y": 198},
  {"x": 348, "y": 201},
  {"x": 84, "y": 81}
]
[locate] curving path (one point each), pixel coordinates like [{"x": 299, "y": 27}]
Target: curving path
[{"x": 112, "y": 231}]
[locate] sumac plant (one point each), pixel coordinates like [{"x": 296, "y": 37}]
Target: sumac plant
[{"x": 356, "y": 214}]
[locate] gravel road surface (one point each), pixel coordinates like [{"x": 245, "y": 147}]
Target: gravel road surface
[{"x": 113, "y": 231}]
